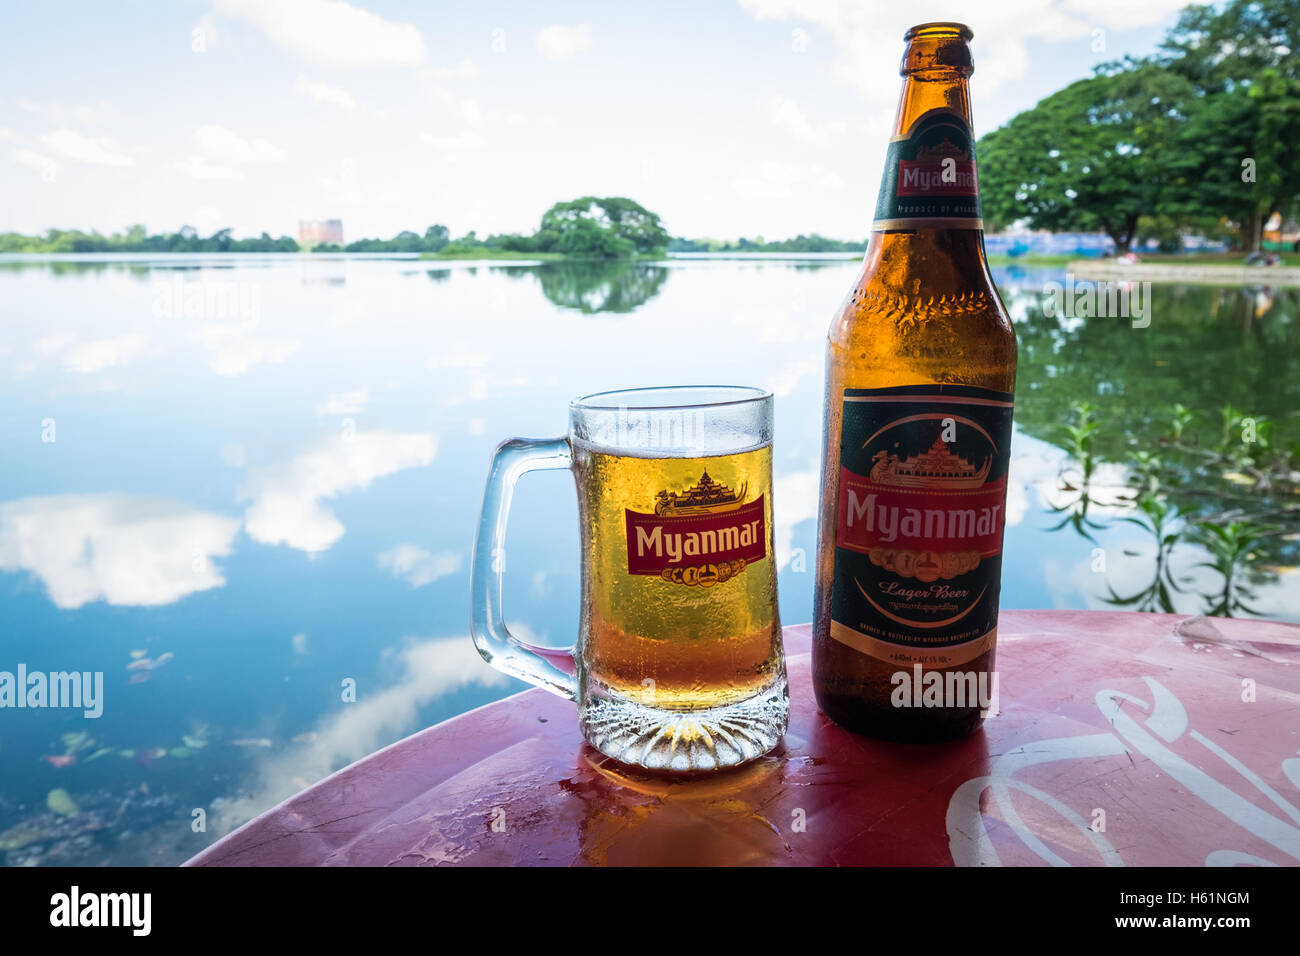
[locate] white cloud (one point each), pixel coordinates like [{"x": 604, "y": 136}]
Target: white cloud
[
  {"x": 416, "y": 566},
  {"x": 471, "y": 111},
  {"x": 43, "y": 164},
  {"x": 1123, "y": 14},
  {"x": 235, "y": 348},
  {"x": 287, "y": 499},
  {"x": 465, "y": 69},
  {"x": 104, "y": 353},
  {"x": 787, "y": 378},
  {"x": 300, "y": 644},
  {"x": 788, "y": 116},
  {"x": 196, "y": 167},
  {"x": 345, "y": 403},
  {"x": 53, "y": 344},
  {"x": 355, "y": 185},
  {"x": 430, "y": 669},
  {"x": 865, "y": 34},
  {"x": 795, "y": 499},
  {"x": 323, "y": 93},
  {"x": 84, "y": 149},
  {"x": 461, "y": 356},
  {"x": 466, "y": 109},
  {"x": 461, "y": 142},
  {"x": 558, "y": 42},
  {"x": 208, "y": 219},
  {"x": 770, "y": 180},
  {"x": 332, "y": 31},
  {"x": 119, "y": 548},
  {"x": 101, "y": 113},
  {"x": 228, "y": 146}
]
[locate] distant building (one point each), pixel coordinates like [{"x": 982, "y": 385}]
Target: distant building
[{"x": 314, "y": 232}]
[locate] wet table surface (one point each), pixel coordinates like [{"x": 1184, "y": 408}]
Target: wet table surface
[{"x": 1119, "y": 739}]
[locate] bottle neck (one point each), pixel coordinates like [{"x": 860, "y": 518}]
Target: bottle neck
[
  {"x": 936, "y": 67},
  {"x": 926, "y": 90},
  {"x": 928, "y": 210}
]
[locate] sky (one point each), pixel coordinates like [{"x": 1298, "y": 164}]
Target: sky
[{"x": 727, "y": 118}]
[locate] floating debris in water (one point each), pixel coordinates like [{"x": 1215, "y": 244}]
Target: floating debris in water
[
  {"x": 150, "y": 664},
  {"x": 179, "y": 752},
  {"x": 76, "y": 742},
  {"x": 61, "y": 803},
  {"x": 142, "y": 668},
  {"x": 101, "y": 752},
  {"x": 136, "y": 655},
  {"x": 23, "y": 834},
  {"x": 61, "y": 760},
  {"x": 128, "y": 753},
  {"x": 193, "y": 742},
  {"x": 251, "y": 742},
  {"x": 149, "y": 754}
]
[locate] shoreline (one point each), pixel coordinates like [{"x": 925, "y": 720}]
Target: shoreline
[
  {"x": 1198, "y": 271},
  {"x": 1191, "y": 273}
]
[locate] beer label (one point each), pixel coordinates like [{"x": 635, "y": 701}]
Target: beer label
[
  {"x": 919, "y": 520},
  {"x": 930, "y": 179},
  {"x": 699, "y": 537}
]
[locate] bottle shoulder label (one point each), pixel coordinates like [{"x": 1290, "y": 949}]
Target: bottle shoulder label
[
  {"x": 919, "y": 521},
  {"x": 930, "y": 177}
]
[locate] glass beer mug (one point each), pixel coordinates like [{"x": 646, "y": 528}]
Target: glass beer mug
[{"x": 678, "y": 664}]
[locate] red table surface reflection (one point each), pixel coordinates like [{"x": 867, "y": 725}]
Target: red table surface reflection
[{"x": 1120, "y": 739}]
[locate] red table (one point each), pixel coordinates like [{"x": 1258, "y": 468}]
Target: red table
[{"x": 1121, "y": 739}]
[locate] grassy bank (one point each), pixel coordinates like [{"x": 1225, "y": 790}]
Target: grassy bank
[
  {"x": 1199, "y": 259},
  {"x": 1003, "y": 259}
]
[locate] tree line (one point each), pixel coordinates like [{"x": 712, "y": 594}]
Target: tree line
[
  {"x": 1200, "y": 136},
  {"x": 136, "y": 239},
  {"x": 588, "y": 227}
]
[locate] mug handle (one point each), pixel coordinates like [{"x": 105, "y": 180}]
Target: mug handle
[{"x": 552, "y": 668}]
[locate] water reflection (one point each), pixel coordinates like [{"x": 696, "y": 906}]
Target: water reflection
[
  {"x": 346, "y": 408},
  {"x": 427, "y": 669},
  {"x": 601, "y": 286},
  {"x": 1193, "y": 422},
  {"x": 287, "y": 499},
  {"x": 117, "y": 548}
]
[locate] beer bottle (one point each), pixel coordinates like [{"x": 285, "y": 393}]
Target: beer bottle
[{"x": 920, "y": 369}]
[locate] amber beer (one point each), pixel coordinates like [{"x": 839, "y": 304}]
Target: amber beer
[
  {"x": 680, "y": 583},
  {"x": 921, "y": 366}
]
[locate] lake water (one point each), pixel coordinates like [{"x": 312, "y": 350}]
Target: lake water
[{"x": 234, "y": 484}]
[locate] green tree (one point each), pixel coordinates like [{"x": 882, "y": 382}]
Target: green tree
[
  {"x": 613, "y": 227},
  {"x": 1237, "y": 156},
  {"x": 1089, "y": 156},
  {"x": 435, "y": 237}
]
